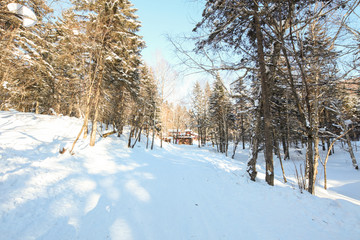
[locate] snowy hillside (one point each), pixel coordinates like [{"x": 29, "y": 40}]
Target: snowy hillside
[{"x": 178, "y": 192}]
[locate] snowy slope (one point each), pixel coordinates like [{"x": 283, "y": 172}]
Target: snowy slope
[{"x": 178, "y": 192}]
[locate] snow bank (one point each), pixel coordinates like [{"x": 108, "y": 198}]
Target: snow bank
[{"x": 178, "y": 192}]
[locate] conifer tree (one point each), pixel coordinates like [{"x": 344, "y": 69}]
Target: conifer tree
[
  {"x": 228, "y": 22},
  {"x": 198, "y": 109},
  {"x": 70, "y": 65},
  {"x": 242, "y": 106},
  {"x": 114, "y": 55},
  {"x": 221, "y": 114},
  {"x": 24, "y": 60}
]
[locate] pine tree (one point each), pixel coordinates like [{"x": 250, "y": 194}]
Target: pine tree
[
  {"x": 221, "y": 113},
  {"x": 114, "y": 55},
  {"x": 198, "y": 110},
  {"x": 228, "y": 22},
  {"x": 313, "y": 54},
  {"x": 25, "y": 54},
  {"x": 242, "y": 106},
  {"x": 150, "y": 103},
  {"x": 70, "y": 65}
]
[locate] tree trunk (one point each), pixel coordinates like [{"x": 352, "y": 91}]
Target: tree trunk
[
  {"x": 323, "y": 144},
  {"x": 251, "y": 165},
  {"x": 96, "y": 108},
  {"x": 85, "y": 124},
  {"x": 37, "y": 108},
  {"x": 153, "y": 138},
  {"x": 285, "y": 147},
  {"x": 226, "y": 131},
  {"x": 351, "y": 152},
  {"x": 205, "y": 135},
  {"x": 285, "y": 133},
  {"x": 216, "y": 142},
  {"x": 199, "y": 135},
  {"x": 93, "y": 129},
  {"x": 77, "y": 138},
  {"x": 108, "y": 134},
  {"x": 140, "y": 134},
  {"x": 93, "y": 133},
  {"x": 277, "y": 148},
  {"x": 161, "y": 139},
  {"x": 315, "y": 164},
  {"x": 235, "y": 147},
  {"x": 265, "y": 98},
  {"x": 120, "y": 130},
  {"x": 137, "y": 138},
  {"x": 309, "y": 165},
  {"x": 147, "y": 138},
  {"x": 242, "y": 132},
  {"x": 130, "y": 135}
]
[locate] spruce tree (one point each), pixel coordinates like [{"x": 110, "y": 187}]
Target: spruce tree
[
  {"x": 114, "y": 55},
  {"x": 198, "y": 109},
  {"x": 221, "y": 114}
]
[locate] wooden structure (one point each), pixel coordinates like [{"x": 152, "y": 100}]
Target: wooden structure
[{"x": 180, "y": 137}]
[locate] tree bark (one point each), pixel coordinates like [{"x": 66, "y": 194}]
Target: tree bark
[
  {"x": 199, "y": 135},
  {"x": 137, "y": 138},
  {"x": 314, "y": 162},
  {"x": 85, "y": 124},
  {"x": 235, "y": 147},
  {"x": 37, "y": 108},
  {"x": 161, "y": 139},
  {"x": 309, "y": 170},
  {"x": 251, "y": 165},
  {"x": 108, "y": 134},
  {"x": 242, "y": 132},
  {"x": 153, "y": 139},
  {"x": 147, "y": 138},
  {"x": 351, "y": 152},
  {"x": 130, "y": 135},
  {"x": 265, "y": 97},
  {"x": 277, "y": 148},
  {"x": 96, "y": 115}
]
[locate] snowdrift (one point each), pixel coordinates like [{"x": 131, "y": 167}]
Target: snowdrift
[{"x": 178, "y": 192}]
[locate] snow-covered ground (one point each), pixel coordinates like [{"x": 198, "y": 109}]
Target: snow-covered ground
[{"x": 178, "y": 192}]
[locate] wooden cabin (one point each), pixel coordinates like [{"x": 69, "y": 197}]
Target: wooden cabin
[{"x": 180, "y": 137}]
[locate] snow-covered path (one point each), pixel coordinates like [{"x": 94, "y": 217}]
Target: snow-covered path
[{"x": 178, "y": 192}]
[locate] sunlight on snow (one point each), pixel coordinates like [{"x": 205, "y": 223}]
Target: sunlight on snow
[
  {"x": 35, "y": 188},
  {"x": 64, "y": 207},
  {"x": 103, "y": 165},
  {"x": 335, "y": 183},
  {"x": 91, "y": 202},
  {"x": 109, "y": 184},
  {"x": 177, "y": 192},
  {"x": 82, "y": 186},
  {"x": 138, "y": 191}
]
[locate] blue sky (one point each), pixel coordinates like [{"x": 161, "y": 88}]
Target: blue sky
[{"x": 162, "y": 17}]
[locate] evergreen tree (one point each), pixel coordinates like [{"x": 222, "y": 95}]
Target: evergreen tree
[
  {"x": 221, "y": 114},
  {"x": 198, "y": 110},
  {"x": 24, "y": 61},
  {"x": 228, "y": 22},
  {"x": 114, "y": 55},
  {"x": 242, "y": 110}
]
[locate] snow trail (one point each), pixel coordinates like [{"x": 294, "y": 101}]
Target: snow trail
[{"x": 178, "y": 192}]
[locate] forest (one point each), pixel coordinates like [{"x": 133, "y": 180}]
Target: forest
[{"x": 296, "y": 64}]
